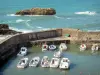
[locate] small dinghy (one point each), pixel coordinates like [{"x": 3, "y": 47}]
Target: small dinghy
[
  {"x": 45, "y": 62},
  {"x": 54, "y": 62},
  {"x": 34, "y": 62},
  {"x": 44, "y": 47},
  {"x": 22, "y": 63},
  {"x": 82, "y": 47},
  {"x": 58, "y": 54},
  {"x": 65, "y": 63},
  {"x": 52, "y": 47},
  {"x": 63, "y": 47},
  {"x": 22, "y": 52},
  {"x": 94, "y": 47}
]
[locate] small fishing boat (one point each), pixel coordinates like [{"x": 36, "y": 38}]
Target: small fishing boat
[
  {"x": 65, "y": 63},
  {"x": 34, "y": 62},
  {"x": 54, "y": 62},
  {"x": 23, "y": 51},
  {"x": 44, "y": 47},
  {"x": 94, "y": 47},
  {"x": 22, "y": 63},
  {"x": 63, "y": 46},
  {"x": 52, "y": 47},
  {"x": 45, "y": 62},
  {"x": 58, "y": 54},
  {"x": 82, "y": 47}
]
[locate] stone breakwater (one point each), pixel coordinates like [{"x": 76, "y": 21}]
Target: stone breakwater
[
  {"x": 37, "y": 11},
  {"x": 11, "y": 46}
]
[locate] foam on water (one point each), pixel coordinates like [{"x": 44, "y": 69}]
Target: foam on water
[
  {"x": 21, "y": 30},
  {"x": 24, "y": 15},
  {"x": 21, "y": 20},
  {"x": 12, "y": 15},
  {"x": 61, "y": 17},
  {"x": 86, "y": 13},
  {"x": 39, "y": 27}
]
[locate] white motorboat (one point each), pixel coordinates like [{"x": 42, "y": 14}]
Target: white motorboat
[
  {"x": 94, "y": 47},
  {"x": 65, "y": 63},
  {"x": 63, "y": 46},
  {"x": 82, "y": 47},
  {"x": 23, "y": 51},
  {"x": 58, "y": 54},
  {"x": 34, "y": 62},
  {"x": 54, "y": 62},
  {"x": 44, "y": 47},
  {"x": 22, "y": 63},
  {"x": 45, "y": 62},
  {"x": 52, "y": 47}
]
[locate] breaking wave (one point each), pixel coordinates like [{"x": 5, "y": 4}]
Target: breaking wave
[
  {"x": 61, "y": 17},
  {"x": 86, "y": 13},
  {"x": 21, "y": 20},
  {"x": 12, "y": 15},
  {"x": 21, "y": 30},
  {"x": 23, "y": 15},
  {"x": 29, "y": 30}
]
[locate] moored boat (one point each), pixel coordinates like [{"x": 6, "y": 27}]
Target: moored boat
[
  {"x": 45, "y": 62},
  {"x": 44, "y": 47},
  {"x": 65, "y": 63},
  {"x": 34, "y": 62},
  {"x": 22, "y": 63},
  {"x": 58, "y": 54},
  {"x": 54, "y": 62},
  {"x": 52, "y": 47},
  {"x": 94, "y": 47},
  {"x": 63, "y": 47},
  {"x": 82, "y": 47},
  {"x": 23, "y": 51}
]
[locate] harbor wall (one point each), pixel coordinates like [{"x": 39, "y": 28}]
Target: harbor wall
[
  {"x": 89, "y": 36},
  {"x": 11, "y": 46}
]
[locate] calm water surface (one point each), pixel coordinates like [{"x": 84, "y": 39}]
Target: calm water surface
[{"x": 82, "y": 63}]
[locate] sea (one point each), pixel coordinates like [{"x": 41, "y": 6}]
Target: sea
[
  {"x": 81, "y": 63},
  {"x": 80, "y": 14}
]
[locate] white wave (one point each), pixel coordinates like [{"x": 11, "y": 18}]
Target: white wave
[
  {"x": 12, "y": 15},
  {"x": 39, "y": 27},
  {"x": 21, "y": 30},
  {"x": 23, "y": 15},
  {"x": 86, "y": 13},
  {"x": 58, "y": 17},
  {"x": 93, "y": 30},
  {"x": 28, "y": 25},
  {"x": 68, "y": 18},
  {"x": 21, "y": 20}
]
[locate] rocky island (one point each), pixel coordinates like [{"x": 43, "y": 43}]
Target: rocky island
[{"x": 37, "y": 11}]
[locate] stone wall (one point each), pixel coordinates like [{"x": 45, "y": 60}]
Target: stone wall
[
  {"x": 9, "y": 47},
  {"x": 89, "y": 35}
]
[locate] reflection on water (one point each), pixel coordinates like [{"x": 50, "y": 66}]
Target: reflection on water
[{"x": 83, "y": 63}]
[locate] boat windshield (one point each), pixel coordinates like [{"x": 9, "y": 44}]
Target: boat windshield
[
  {"x": 64, "y": 60},
  {"x": 23, "y": 49}
]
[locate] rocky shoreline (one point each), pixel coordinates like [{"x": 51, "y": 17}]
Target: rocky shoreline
[
  {"x": 37, "y": 11},
  {"x": 4, "y": 30}
]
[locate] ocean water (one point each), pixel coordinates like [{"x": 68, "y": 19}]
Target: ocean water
[
  {"x": 81, "y": 14},
  {"x": 81, "y": 64}
]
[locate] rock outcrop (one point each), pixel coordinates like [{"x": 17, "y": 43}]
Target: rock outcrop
[
  {"x": 4, "y": 30},
  {"x": 37, "y": 11}
]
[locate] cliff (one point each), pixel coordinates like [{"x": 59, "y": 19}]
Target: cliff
[
  {"x": 37, "y": 11},
  {"x": 4, "y": 29}
]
